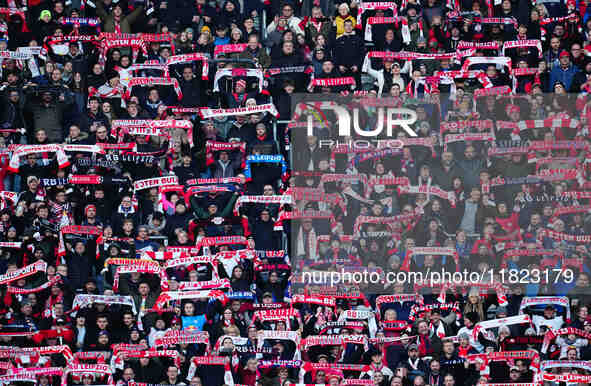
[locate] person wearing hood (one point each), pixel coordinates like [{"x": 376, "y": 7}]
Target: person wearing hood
[{"x": 230, "y": 14}]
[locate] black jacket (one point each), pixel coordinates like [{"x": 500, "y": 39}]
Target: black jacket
[{"x": 349, "y": 51}]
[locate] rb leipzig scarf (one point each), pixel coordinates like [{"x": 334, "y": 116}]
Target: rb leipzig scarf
[
  {"x": 195, "y": 56},
  {"x": 153, "y": 81},
  {"x": 83, "y": 300},
  {"x": 552, "y": 334},
  {"x": 281, "y": 200},
  {"x": 166, "y": 296},
  {"x": 174, "y": 337},
  {"x": 405, "y": 31},
  {"x": 541, "y": 300},
  {"x": 497, "y": 60},
  {"x": 23, "y": 150},
  {"x": 229, "y": 49},
  {"x": 262, "y": 158},
  {"x": 523, "y": 44}
]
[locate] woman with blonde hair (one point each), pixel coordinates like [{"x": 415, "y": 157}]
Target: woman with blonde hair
[
  {"x": 339, "y": 21},
  {"x": 475, "y": 303}
]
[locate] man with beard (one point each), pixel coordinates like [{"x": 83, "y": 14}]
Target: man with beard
[{"x": 447, "y": 171}]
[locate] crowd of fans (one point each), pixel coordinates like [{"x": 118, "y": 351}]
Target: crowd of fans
[{"x": 166, "y": 233}]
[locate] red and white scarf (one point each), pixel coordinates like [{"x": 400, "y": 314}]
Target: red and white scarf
[
  {"x": 472, "y": 74},
  {"x": 216, "y": 284},
  {"x": 153, "y": 81},
  {"x": 560, "y": 236},
  {"x": 102, "y": 369},
  {"x": 390, "y": 220},
  {"x": 483, "y": 326},
  {"x": 429, "y": 190},
  {"x": 118, "y": 360},
  {"x": 381, "y": 5},
  {"x": 462, "y": 45},
  {"x": 155, "y": 182},
  {"x": 84, "y": 300},
  {"x": 207, "y": 112},
  {"x": 497, "y": 60},
  {"x": 541, "y": 300},
  {"x": 458, "y": 126},
  {"x": 229, "y": 48},
  {"x": 523, "y": 44},
  {"x": 405, "y": 31},
  {"x": 10, "y": 244},
  {"x": 23, "y": 291},
  {"x": 238, "y": 73},
  {"x": 492, "y": 91},
  {"x": 116, "y": 40},
  {"x": 281, "y": 200},
  {"x": 174, "y": 337},
  {"x": 153, "y": 269},
  {"x": 194, "y": 56},
  {"x": 552, "y": 334},
  {"x": 166, "y": 296},
  {"x": 450, "y": 138},
  {"x": 22, "y": 150},
  {"x": 212, "y": 361},
  {"x": 320, "y": 300},
  {"x": 31, "y": 269},
  {"x": 483, "y": 360},
  {"x": 275, "y": 315}
]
